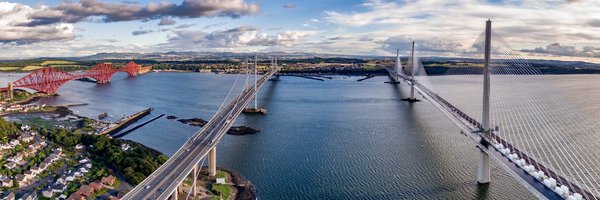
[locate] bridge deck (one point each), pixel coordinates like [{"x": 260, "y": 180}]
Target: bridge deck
[
  {"x": 492, "y": 138},
  {"x": 165, "y": 180}
]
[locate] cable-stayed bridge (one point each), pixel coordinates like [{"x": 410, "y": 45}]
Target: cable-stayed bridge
[
  {"x": 523, "y": 134},
  {"x": 165, "y": 181}
]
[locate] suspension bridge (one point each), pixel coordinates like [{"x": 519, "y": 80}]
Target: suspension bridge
[{"x": 49, "y": 79}]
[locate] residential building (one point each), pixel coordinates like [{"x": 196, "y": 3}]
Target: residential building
[{"x": 109, "y": 180}]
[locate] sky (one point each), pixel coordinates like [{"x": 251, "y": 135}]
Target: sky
[{"x": 548, "y": 29}]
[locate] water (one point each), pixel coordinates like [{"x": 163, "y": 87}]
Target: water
[{"x": 337, "y": 139}]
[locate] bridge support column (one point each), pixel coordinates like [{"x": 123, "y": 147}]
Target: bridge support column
[
  {"x": 212, "y": 162},
  {"x": 483, "y": 174},
  {"x": 175, "y": 194},
  {"x": 195, "y": 177},
  {"x": 10, "y": 91}
]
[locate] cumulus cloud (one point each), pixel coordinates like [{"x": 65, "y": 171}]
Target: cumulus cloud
[
  {"x": 242, "y": 36},
  {"x": 72, "y": 12},
  {"x": 165, "y": 21},
  {"x": 522, "y": 23},
  {"x": 13, "y": 15},
  {"x": 565, "y": 50},
  {"x": 141, "y": 32}
]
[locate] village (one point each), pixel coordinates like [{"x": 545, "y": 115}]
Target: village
[{"x": 35, "y": 168}]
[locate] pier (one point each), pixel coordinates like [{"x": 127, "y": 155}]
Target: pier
[{"x": 123, "y": 123}]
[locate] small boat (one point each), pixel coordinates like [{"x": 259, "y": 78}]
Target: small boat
[{"x": 102, "y": 115}]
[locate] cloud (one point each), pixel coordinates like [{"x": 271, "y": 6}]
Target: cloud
[
  {"x": 72, "y": 12},
  {"x": 523, "y": 24},
  {"x": 289, "y": 6},
  {"x": 562, "y": 50},
  {"x": 184, "y": 26},
  {"x": 165, "y": 21},
  {"x": 13, "y": 16},
  {"x": 242, "y": 36},
  {"x": 429, "y": 45},
  {"x": 141, "y": 32}
]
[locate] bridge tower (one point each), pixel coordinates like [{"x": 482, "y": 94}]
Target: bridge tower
[
  {"x": 412, "y": 75},
  {"x": 10, "y": 91},
  {"x": 255, "y": 109},
  {"x": 483, "y": 175},
  {"x": 399, "y": 69}
]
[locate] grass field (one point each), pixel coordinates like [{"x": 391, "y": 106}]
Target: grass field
[
  {"x": 30, "y": 68},
  {"x": 8, "y": 68},
  {"x": 57, "y": 62}
]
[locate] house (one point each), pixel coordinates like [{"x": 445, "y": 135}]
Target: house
[
  {"x": 85, "y": 160},
  {"x": 16, "y": 158},
  {"x": 113, "y": 198},
  {"x": 44, "y": 165},
  {"x": 25, "y": 127},
  {"x": 47, "y": 192},
  {"x": 7, "y": 182},
  {"x": 26, "y": 137},
  {"x": 5, "y": 146},
  {"x": 78, "y": 174},
  {"x": 36, "y": 169},
  {"x": 88, "y": 166},
  {"x": 10, "y": 165},
  {"x": 125, "y": 147},
  {"x": 85, "y": 190},
  {"x": 21, "y": 179},
  {"x": 109, "y": 180},
  {"x": 58, "y": 188},
  {"x": 83, "y": 170},
  {"x": 30, "y": 174},
  {"x": 10, "y": 196},
  {"x": 96, "y": 185},
  {"x": 76, "y": 196},
  {"x": 14, "y": 142},
  {"x": 79, "y": 146},
  {"x": 60, "y": 180},
  {"x": 70, "y": 177},
  {"x": 29, "y": 196}
]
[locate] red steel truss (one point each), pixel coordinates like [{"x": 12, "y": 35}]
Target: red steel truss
[
  {"x": 131, "y": 68},
  {"x": 49, "y": 79},
  {"x": 46, "y": 80},
  {"x": 101, "y": 73}
]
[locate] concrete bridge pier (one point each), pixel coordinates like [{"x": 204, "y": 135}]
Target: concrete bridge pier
[
  {"x": 195, "y": 177},
  {"x": 483, "y": 173},
  {"x": 175, "y": 194},
  {"x": 212, "y": 162}
]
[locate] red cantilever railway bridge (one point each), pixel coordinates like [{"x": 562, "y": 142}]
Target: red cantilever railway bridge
[{"x": 49, "y": 79}]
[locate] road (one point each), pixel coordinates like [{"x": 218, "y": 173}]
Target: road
[{"x": 161, "y": 183}]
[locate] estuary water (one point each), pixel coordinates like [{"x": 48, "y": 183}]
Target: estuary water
[{"x": 333, "y": 139}]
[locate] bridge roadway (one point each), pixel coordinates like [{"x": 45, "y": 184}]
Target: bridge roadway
[
  {"x": 165, "y": 180},
  {"x": 472, "y": 128}
]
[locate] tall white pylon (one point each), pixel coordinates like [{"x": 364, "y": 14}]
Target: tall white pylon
[
  {"x": 398, "y": 66},
  {"x": 483, "y": 175},
  {"x": 255, "y": 82},
  {"x": 412, "y": 72}
]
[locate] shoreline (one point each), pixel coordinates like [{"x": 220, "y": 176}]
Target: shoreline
[{"x": 245, "y": 189}]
